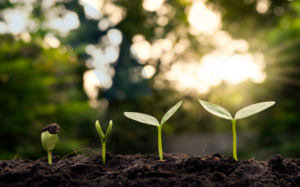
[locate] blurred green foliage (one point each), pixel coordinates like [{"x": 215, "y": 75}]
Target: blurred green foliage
[{"x": 40, "y": 86}]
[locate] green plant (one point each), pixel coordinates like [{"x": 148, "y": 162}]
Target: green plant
[
  {"x": 243, "y": 113},
  {"x": 103, "y": 137},
  {"x": 147, "y": 119},
  {"x": 50, "y": 139}
]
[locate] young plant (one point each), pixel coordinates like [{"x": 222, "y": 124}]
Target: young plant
[
  {"x": 50, "y": 139},
  {"x": 149, "y": 120},
  {"x": 243, "y": 113},
  {"x": 103, "y": 137}
]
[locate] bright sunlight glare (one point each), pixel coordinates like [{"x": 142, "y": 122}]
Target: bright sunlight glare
[
  {"x": 92, "y": 8},
  {"x": 51, "y": 40},
  {"x": 148, "y": 71},
  {"x": 213, "y": 69},
  {"x": 152, "y": 5},
  {"x": 204, "y": 19},
  {"x": 262, "y": 6},
  {"x": 16, "y": 20}
]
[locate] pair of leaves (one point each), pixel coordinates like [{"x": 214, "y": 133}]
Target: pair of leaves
[
  {"x": 100, "y": 132},
  {"x": 243, "y": 113},
  {"x": 150, "y": 120}
]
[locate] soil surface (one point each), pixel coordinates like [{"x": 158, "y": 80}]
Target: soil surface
[{"x": 147, "y": 170}]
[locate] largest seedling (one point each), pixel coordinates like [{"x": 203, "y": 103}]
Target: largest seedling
[
  {"x": 243, "y": 113},
  {"x": 149, "y": 120}
]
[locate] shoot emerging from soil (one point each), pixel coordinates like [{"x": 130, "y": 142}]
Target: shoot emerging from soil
[
  {"x": 50, "y": 139},
  {"x": 103, "y": 137},
  {"x": 243, "y": 113},
  {"x": 149, "y": 120}
]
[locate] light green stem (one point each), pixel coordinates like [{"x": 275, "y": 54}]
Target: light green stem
[
  {"x": 49, "y": 158},
  {"x": 160, "y": 152},
  {"x": 103, "y": 152},
  {"x": 234, "y": 139}
]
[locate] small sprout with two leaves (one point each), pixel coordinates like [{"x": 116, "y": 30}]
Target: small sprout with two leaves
[
  {"x": 50, "y": 139},
  {"x": 243, "y": 113},
  {"x": 103, "y": 137},
  {"x": 149, "y": 120}
]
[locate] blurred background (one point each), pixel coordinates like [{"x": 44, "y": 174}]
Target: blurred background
[{"x": 74, "y": 62}]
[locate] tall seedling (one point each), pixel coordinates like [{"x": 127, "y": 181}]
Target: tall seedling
[
  {"x": 103, "y": 137},
  {"x": 243, "y": 113},
  {"x": 149, "y": 120}
]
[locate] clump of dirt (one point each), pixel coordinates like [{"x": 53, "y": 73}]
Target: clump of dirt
[{"x": 148, "y": 170}]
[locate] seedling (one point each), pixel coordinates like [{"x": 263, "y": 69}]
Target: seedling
[
  {"x": 243, "y": 113},
  {"x": 50, "y": 139},
  {"x": 149, "y": 120},
  {"x": 103, "y": 137}
]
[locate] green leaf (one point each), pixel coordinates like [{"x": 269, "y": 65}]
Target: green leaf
[
  {"x": 108, "y": 130},
  {"x": 49, "y": 141},
  {"x": 143, "y": 118},
  {"x": 170, "y": 113},
  {"x": 253, "y": 109},
  {"x": 100, "y": 132},
  {"x": 216, "y": 110}
]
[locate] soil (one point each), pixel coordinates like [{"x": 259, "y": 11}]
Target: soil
[{"x": 147, "y": 170}]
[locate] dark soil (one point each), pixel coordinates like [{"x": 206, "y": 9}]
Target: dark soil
[{"x": 147, "y": 170}]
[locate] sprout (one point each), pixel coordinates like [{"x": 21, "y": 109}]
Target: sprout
[
  {"x": 144, "y": 118},
  {"x": 243, "y": 113},
  {"x": 103, "y": 137},
  {"x": 50, "y": 139}
]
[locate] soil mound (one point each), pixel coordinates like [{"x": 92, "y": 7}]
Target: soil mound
[{"x": 147, "y": 170}]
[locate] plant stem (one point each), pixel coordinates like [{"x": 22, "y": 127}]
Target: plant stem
[
  {"x": 160, "y": 152},
  {"x": 49, "y": 158},
  {"x": 103, "y": 152},
  {"x": 234, "y": 139}
]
